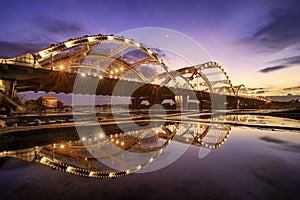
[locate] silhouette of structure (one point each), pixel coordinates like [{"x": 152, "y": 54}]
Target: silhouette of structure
[
  {"x": 111, "y": 154},
  {"x": 109, "y": 65}
]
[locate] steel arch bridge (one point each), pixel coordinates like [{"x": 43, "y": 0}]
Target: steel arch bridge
[
  {"x": 120, "y": 58},
  {"x": 107, "y": 59}
]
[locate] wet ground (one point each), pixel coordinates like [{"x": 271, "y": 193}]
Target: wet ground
[{"x": 252, "y": 164}]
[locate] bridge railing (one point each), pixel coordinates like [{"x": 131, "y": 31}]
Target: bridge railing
[{"x": 25, "y": 60}]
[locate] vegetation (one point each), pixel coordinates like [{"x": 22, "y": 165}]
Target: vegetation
[{"x": 37, "y": 106}]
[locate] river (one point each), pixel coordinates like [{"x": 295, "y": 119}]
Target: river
[{"x": 252, "y": 163}]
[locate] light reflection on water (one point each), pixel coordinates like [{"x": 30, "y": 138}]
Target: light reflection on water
[
  {"x": 263, "y": 120},
  {"x": 251, "y": 163},
  {"x": 112, "y": 152}
]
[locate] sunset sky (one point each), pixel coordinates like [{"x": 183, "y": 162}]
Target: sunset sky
[{"x": 257, "y": 42}]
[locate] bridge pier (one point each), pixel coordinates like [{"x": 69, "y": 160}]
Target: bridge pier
[
  {"x": 238, "y": 104},
  {"x": 8, "y": 88},
  {"x": 136, "y": 102},
  {"x": 8, "y": 94},
  {"x": 182, "y": 102},
  {"x": 199, "y": 101}
]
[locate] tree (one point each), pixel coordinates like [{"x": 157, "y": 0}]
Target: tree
[{"x": 60, "y": 105}]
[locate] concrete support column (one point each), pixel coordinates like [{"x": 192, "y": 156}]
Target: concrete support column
[
  {"x": 13, "y": 91},
  {"x": 200, "y": 104},
  {"x": 238, "y": 104},
  {"x": 182, "y": 102},
  {"x": 8, "y": 93},
  {"x": 186, "y": 99},
  {"x": 135, "y": 102},
  {"x": 8, "y": 88},
  {"x": 178, "y": 102}
]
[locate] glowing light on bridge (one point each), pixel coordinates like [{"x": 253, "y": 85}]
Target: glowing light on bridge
[
  {"x": 91, "y": 39},
  {"x": 137, "y": 44},
  {"x": 42, "y": 54},
  {"x": 149, "y": 51},
  {"x": 110, "y": 37},
  {"x": 68, "y": 44}
]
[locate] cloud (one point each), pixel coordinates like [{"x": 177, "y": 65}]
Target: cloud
[
  {"x": 254, "y": 89},
  {"x": 132, "y": 55},
  {"x": 260, "y": 92},
  {"x": 45, "y": 31},
  {"x": 282, "y": 63},
  {"x": 160, "y": 53},
  {"x": 284, "y": 145},
  {"x": 13, "y": 49},
  {"x": 288, "y": 61},
  {"x": 282, "y": 28},
  {"x": 52, "y": 26},
  {"x": 292, "y": 88},
  {"x": 272, "y": 140},
  {"x": 274, "y": 68}
]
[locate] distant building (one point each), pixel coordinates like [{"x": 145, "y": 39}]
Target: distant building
[
  {"x": 49, "y": 101},
  {"x": 286, "y": 98}
]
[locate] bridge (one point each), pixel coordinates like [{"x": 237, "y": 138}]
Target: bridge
[{"x": 110, "y": 65}]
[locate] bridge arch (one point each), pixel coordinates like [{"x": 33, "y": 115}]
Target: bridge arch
[
  {"x": 74, "y": 157},
  {"x": 112, "y": 55}
]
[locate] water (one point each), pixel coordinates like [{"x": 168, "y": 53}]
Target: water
[{"x": 252, "y": 164}]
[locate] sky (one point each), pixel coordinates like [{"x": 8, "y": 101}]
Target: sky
[{"x": 257, "y": 41}]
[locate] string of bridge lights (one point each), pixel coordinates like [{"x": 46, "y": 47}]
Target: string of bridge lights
[
  {"x": 113, "y": 138},
  {"x": 115, "y": 73}
]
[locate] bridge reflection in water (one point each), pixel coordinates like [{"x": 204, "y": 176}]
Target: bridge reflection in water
[{"x": 112, "y": 153}]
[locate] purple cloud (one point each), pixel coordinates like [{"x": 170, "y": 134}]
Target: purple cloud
[
  {"x": 274, "y": 68},
  {"x": 283, "y": 28}
]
